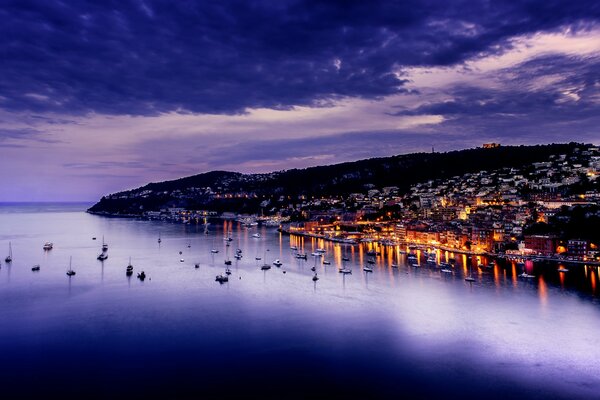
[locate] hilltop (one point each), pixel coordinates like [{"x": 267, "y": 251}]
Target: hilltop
[{"x": 232, "y": 191}]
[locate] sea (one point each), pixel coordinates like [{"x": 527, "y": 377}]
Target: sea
[{"x": 400, "y": 331}]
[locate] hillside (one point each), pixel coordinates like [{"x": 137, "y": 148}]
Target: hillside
[{"x": 231, "y": 191}]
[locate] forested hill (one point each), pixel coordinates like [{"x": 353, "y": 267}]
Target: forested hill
[{"x": 232, "y": 191}]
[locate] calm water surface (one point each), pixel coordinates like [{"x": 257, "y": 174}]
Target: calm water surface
[{"x": 405, "y": 332}]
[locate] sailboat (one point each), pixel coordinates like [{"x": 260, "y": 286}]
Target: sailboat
[
  {"x": 315, "y": 277},
  {"x": 265, "y": 266},
  {"x": 469, "y": 278},
  {"x": 129, "y": 269},
  {"x": 227, "y": 260},
  {"x": 345, "y": 270},
  {"x": 104, "y": 245},
  {"x": 70, "y": 271},
  {"x": 159, "y": 239},
  {"x": 9, "y": 258}
]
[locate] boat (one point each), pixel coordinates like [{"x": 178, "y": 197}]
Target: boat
[
  {"x": 368, "y": 268},
  {"x": 227, "y": 262},
  {"x": 345, "y": 271},
  {"x": 141, "y": 275},
  {"x": 469, "y": 278},
  {"x": 525, "y": 275},
  {"x": 315, "y": 254},
  {"x": 214, "y": 251},
  {"x": 370, "y": 261},
  {"x": 196, "y": 265},
  {"x": 9, "y": 257},
  {"x": 159, "y": 239},
  {"x": 277, "y": 263},
  {"x": 411, "y": 257},
  {"x": 256, "y": 235},
  {"x": 227, "y": 271},
  {"x": 294, "y": 248},
  {"x": 319, "y": 250},
  {"x": 129, "y": 269},
  {"x": 102, "y": 256},
  {"x": 104, "y": 245},
  {"x": 315, "y": 278},
  {"x": 222, "y": 278},
  {"x": 326, "y": 262},
  {"x": 394, "y": 265},
  {"x": 181, "y": 260},
  {"x": 345, "y": 259},
  {"x": 563, "y": 269},
  {"x": 301, "y": 256},
  {"x": 70, "y": 271},
  {"x": 446, "y": 270},
  {"x": 414, "y": 264},
  {"x": 265, "y": 267},
  {"x": 257, "y": 258},
  {"x": 238, "y": 256},
  {"x": 36, "y": 267},
  {"x": 372, "y": 253},
  {"x": 48, "y": 246}
]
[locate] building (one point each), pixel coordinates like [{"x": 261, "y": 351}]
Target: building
[
  {"x": 541, "y": 244},
  {"x": 491, "y": 145}
]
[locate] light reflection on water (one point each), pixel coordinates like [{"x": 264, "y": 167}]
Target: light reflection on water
[{"x": 405, "y": 329}]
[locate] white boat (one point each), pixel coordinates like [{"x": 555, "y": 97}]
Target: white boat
[
  {"x": 446, "y": 270},
  {"x": 227, "y": 271},
  {"x": 104, "y": 245},
  {"x": 294, "y": 248},
  {"x": 102, "y": 256},
  {"x": 277, "y": 263},
  {"x": 345, "y": 271},
  {"x": 320, "y": 251},
  {"x": 563, "y": 269},
  {"x": 256, "y": 235},
  {"x": 70, "y": 271},
  {"x": 525, "y": 275},
  {"x": 367, "y": 268},
  {"x": 48, "y": 246},
  {"x": 214, "y": 251},
  {"x": 181, "y": 260},
  {"x": 326, "y": 262},
  {"x": 9, "y": 257}
]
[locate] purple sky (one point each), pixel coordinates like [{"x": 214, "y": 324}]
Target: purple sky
[{"x": 97, "y": 97}]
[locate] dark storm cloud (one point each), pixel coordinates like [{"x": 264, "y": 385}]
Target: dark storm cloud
[{"x": 147, "y": 57}]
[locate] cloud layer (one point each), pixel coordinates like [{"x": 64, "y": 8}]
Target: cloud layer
[{"x": 107, "y": 95}]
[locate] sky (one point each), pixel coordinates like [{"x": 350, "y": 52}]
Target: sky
[{"x": 102, "y": 96}]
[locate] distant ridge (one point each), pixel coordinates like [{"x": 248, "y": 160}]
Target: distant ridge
[{"x": 234, "y": 191}]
